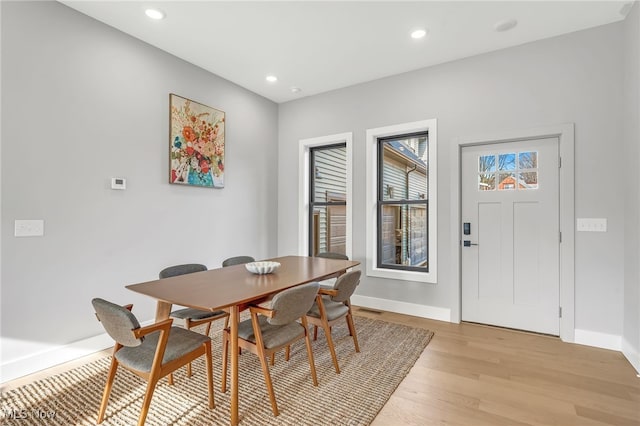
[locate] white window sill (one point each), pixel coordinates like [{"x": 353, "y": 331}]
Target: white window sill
[{"x": 395, "y": 274}]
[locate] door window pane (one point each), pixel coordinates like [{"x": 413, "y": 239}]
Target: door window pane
[
  {"x": 528, "y": 160},
  {"x": 487, "y": 163},
  {"x": 507, "y": 161},
  {"x": 528, "y": 180},
  {"x": 487, "y": 182},
  {"x": 506, "y": 181}
]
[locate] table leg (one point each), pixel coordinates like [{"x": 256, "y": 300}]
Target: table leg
[
  {"x": 234, "y": 320},
  {"x": 163, "y": 310}
]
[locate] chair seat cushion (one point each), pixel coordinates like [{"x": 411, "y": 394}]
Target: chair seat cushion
[
  {"x": 333, "y": 309},
  {"x": 180, "y": 342},
  {"x": 273, "y": 336},
  {"x": 195, "y": 314}
]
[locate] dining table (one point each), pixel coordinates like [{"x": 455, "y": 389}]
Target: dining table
[{"x": 234, "y": 289}]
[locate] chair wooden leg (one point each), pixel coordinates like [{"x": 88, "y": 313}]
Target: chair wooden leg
[
  {"x": 315, "y": 333},
  {"x": 287, "y": 352},
  {"x": 208, "y": 328},
  {"x": 332, "y": 349},
  {"x": 312, "y": 364},
  {"x": 225, "y": 355},
  {"x": 107, "y": 389},
  {"x": 267, "y": 380},
  {"x": 209, "y": 361},
  {"x": 151, "y": 386},
  {"x": 189, "y": 370},
  {"x": 273, "y": 358},
  {"x": 352, "y": 330},
  {"x": 170, "y": 379}
]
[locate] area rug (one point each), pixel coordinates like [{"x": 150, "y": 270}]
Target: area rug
[{"x": 353, "y": 397}]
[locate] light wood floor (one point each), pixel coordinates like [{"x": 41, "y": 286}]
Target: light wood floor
[{"x": 474, "y": 375}]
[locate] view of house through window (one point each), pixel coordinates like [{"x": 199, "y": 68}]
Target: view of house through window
[
  {"x": 328, "y": 204},
  {"x": 510, "y": 171},
  {"x": 403, "y": 202}
]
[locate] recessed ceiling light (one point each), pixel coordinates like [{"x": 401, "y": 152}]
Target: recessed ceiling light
[
  {"x": 418, "y": 34},
  {"x": 154, "y": 13},
  {"x": 505, "y": 25},
  {"x": 295, "y": 89},
  {"x": 271, "y": 78}
]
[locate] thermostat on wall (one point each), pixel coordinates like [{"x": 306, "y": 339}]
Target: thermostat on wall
[{"x": 118, "y": 183}]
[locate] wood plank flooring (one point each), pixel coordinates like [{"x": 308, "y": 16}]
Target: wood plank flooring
[
  {"x": 473, "y": 375},
  {"x": 477, "y": 375}
]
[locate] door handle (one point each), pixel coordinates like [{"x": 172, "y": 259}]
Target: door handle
[{"x": 468, "y": 243}]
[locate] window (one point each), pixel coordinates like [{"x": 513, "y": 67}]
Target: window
[
  {"x": 328, "y": 199},
  {"x": 324, "y": 191},
  {"x": 504, "y": 173},
  {"x": 401, "y": 202}
]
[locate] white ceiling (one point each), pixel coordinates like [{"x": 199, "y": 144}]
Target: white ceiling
[{"x": 325, "y": 45}]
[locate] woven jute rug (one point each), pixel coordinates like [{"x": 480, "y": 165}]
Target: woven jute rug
[{"x": 353, "y": 397}]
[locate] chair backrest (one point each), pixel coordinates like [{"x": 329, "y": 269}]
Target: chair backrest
[
  {"x": 174, "y": 271},
  {"x": 293, "y": 303},
  {"x": 237, "y": 260},
  {"x": 118, "y": 321},
  {"x": 346, "y": 284},
  {"x": 332, "y": 255}
]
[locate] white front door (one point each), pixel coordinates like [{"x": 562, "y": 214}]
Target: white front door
[{"x": 511, "y": 235}]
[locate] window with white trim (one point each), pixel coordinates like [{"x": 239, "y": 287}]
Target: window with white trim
[
  {"x": 325, "y": 194},
  {"x": 401, "y": 202}
]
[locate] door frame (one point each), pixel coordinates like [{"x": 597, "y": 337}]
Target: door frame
[{"x": 565, "y": 134}]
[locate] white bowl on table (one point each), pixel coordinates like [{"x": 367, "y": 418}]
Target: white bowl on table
[{"x": 262, "y": 268}]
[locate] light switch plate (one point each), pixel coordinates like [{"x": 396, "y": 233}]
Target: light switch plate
[
  {"x": 29, "y": 228},
  {"x": 592, "y": 224},
  {"x": 118, "y": 183}
]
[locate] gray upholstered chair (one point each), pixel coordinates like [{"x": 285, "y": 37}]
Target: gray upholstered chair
[
  {"x": 330, "y": 280},
  {"x": 192, "y": 317},
  {"x": 269, "y": 330},
  {"x": 237, "y": 260},
  {"x": 150, "y": 352},
  {"x": 332, "y": 305}
]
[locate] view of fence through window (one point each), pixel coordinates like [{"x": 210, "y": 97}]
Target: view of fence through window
[
  {"x": 403, "y": 202},
  {"x": 328, "y": 204}
]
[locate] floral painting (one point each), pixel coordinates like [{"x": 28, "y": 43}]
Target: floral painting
[{"x": 196, "y": 143}]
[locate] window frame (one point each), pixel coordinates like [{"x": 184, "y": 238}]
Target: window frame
[
  {"x": 312, "y": 202},
  {"x": 372, "y": 239},
  {"x": 381, "y": 202},
  {"x": 304, "y": 153}
]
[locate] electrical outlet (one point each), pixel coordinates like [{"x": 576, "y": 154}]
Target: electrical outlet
[
  {"x": 29, "y": 228},
  {"x": 592, "y": 224}
]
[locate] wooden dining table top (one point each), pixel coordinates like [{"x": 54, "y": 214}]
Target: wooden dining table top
[{"x": 235, "y": 285}]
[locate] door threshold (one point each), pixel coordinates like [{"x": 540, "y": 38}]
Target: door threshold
[{"x": 511, "y": 329}]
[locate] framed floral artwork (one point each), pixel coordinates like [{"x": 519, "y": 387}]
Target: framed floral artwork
[{"x": 196, "y": 143}]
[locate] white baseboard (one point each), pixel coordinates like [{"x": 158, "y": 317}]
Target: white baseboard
[
  {"x": 423, "y": 311},
  {"x": 52, "y": 356},
  {"x": 632, "y": 354},
  {"x": 599, "y": 340}
]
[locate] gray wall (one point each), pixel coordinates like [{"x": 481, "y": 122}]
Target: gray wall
[
  {"x": 81, "y": 103},
  {"x": 572, "y": 78},
  {"x": 631, "y": 133}
]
